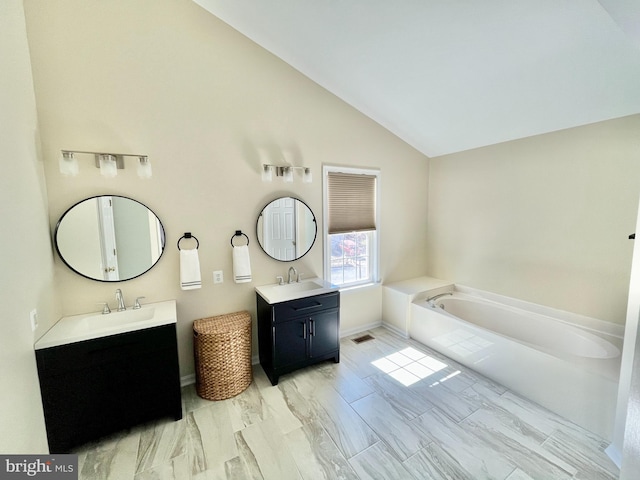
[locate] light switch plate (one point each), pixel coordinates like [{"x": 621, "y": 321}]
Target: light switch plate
[{"x": 33, "y": 318}]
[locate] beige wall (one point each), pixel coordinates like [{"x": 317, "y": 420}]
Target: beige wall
[
  {"x": 171, "y": 81},
  {"x": 543, "y": 219},
  {"x": 25, "y": 254}
]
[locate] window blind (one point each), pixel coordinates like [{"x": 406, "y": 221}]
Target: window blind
[{"x": 351, "y": 202}]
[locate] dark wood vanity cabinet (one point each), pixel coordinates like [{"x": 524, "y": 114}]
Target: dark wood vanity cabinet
[
  {"x": 298, "y": 333},
  {"x": 97, "y": 387}
]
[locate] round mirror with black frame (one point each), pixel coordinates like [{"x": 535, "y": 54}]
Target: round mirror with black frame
[
  {"x": 109, "y": 238},
  {"x": 286, "y": 229}
]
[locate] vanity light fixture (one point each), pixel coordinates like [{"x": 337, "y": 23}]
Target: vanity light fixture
[
  {"x": 108, "y": 163},
  {"x": 286, "y": 172}
]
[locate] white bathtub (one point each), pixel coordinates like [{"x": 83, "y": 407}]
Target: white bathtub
[{"x": 565, "y": 362}]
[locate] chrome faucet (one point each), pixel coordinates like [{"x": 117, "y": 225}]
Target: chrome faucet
[
  {"x": 431, "y": 300},
  {"x": 294, "y": 271},
  {"x": 120, "y": 300}
]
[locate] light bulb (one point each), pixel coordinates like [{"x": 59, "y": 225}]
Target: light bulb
[
  {"x": 108, "y": 166},
  {"x": 144, "y": 167},
  {"x": 287, "y": 174},
  {"x": 267, "y": 173},
  {"x": 68, "y": 164},
  {"x": 307, "y": 177}
]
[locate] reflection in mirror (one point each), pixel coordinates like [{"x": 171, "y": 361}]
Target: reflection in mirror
[
  {"x": 286, "y": 229},
  {"x": 109, "y": 238}
]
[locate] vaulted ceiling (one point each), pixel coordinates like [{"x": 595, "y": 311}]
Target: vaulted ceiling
[{"x": 452, "y": 75}]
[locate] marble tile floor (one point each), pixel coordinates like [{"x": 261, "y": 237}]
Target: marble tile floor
[{"x": 391, "y": 409}]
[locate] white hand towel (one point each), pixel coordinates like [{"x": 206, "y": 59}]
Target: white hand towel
[
  {"x": 241, "y": 264},
  {"x": 190, "y": 278}
]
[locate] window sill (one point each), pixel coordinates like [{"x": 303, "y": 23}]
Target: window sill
[{"x": 359, "y": 286}]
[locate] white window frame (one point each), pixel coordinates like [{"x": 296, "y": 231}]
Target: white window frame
[{"x": 375, "y": 237}]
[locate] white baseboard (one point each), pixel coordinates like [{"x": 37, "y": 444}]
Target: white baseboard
[
  {"x": 360, "y": 329},
  {"x": 188, "y": 380},
  {"x": 614, "y": 454},
  {"x": 395, "y": 330}
]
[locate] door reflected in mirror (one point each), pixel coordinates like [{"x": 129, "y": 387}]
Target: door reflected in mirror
[
  {"x": 109, "y": 238},
  {"x": 286, "y": 229}
]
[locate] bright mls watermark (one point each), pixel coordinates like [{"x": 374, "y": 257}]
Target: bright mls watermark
[{"x": 51, "y": 467}]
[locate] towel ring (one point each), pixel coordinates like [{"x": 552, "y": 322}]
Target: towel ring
[
  {"x": 238, "y": 234},
  {"x": 188, "y": 235}
]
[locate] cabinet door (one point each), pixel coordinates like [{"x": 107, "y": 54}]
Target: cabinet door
[
  {"x": 324, "y": 336},
  {"x": 96, "y": 387},
  {"x": 290, "y": 342}
]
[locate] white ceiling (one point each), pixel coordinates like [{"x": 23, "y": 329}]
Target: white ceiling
[{"x": 451, "y": 75}]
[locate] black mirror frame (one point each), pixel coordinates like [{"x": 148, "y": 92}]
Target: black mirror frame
[
  {"x": 55, "y": 239},
  {"x": 314, "y": 221}
]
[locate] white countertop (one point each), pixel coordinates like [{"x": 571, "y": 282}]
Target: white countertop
[
  {"x": 418, "y": 285},
  {"x": 310, "y": 287},
  {"x": 88, "y": 326}
]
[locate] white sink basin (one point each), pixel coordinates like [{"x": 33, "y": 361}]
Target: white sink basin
[
  {"x": 116, "y": 319},
  {"x": 275, "y": 293},
  {"x": 94, "y": 325}
]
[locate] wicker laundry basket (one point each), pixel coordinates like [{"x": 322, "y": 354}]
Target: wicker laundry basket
[{"x": 222, "y": 347}]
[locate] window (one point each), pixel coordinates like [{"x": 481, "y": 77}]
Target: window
[{"x": 351, "y": 225}]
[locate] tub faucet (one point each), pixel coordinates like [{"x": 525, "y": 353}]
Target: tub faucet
[
  {"x": 431, "y": 300},
  {"x": 294, "y": 271},
  {"x": 120, "y": 300}
]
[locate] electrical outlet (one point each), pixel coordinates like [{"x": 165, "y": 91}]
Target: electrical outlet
[
  {"x": 218, "y": 277},
  {"x": 33, "y": 318}
]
